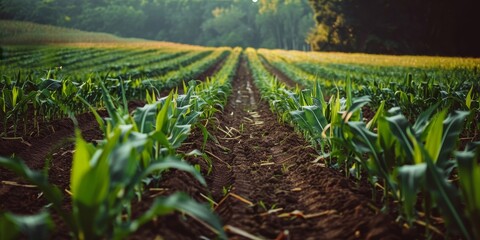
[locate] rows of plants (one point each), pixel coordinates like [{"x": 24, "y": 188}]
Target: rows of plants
[
  {"x": 423, "y": 175},
  {"x": 44, "y": 96},
  {"x": 70, "y": 58},
  {"x": 454, "y": 82},
  {"x": 34, "y": 59},
  {"x": 163, "y": 67},
  {"x": 139, "y": 60},
  {"x": 137, "y": 149},
  {"x": 11, "y": 56}
]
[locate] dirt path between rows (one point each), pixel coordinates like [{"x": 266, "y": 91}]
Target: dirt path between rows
[
  {"x": 271, "y": 164},
  {"x": 265, "y": 184}
]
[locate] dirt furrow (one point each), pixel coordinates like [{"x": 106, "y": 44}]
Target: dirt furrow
[{"x": 272, "y": 185}]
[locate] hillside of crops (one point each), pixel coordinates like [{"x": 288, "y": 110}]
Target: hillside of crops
[{"x": 154, "y": 140}]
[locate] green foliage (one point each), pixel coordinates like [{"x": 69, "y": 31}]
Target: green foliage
[
  {"x": 402, "y": 156},
  {"x": 469, "y": 173},
  {"x": 33, "y": 227},
  {"x": 137, "y": 149},
  {"x": 407, "y": 27},
  {"x": 202, "y": 22}
]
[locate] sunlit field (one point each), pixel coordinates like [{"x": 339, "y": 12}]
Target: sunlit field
[{"x": 110, "y": 137}]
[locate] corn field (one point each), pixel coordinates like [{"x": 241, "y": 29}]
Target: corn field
[{"x": 127, "y": 141}]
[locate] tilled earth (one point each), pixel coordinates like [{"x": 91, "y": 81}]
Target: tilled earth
[{"x": 264, "y": 181}]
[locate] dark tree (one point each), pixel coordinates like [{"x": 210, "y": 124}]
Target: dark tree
[{"x": 438, "y": 27}]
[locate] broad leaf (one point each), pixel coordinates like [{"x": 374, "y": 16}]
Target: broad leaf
[
  {"x": 412, "y": 178},
  {"x": 447, "y": 197},
  {"x": 180, "y": 202},
  {"x": 173, "y": 162},
  {"x": 452, "y": 127},
  {"x": 469, "y": 173},
  {"x": 33, "y": 226}
]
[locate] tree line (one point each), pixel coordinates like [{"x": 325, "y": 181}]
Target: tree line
[
  {"x": 265, "y": 23},
  {"x": 434, "y": 27}
]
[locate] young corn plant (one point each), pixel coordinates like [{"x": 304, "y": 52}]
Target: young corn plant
[
  {"x": 104, "y": 181},
  {"x": 415, "y": 158},
  {"x": 469, "y": 174},
  {"x": 107, "y": 177},
  {"x": 33, "y": 227}
]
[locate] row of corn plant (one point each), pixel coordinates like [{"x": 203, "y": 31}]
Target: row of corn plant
[
  {"x": 399, "y": 86},
  {"x": 161, "y": 68},
  {"x": 136, "y": 147},
  {"x": 413, "y": 89},
  {"x": 405, "y": 160},
  {"x": 107, "y": 177},
  {"x": 52, "y": 96}
]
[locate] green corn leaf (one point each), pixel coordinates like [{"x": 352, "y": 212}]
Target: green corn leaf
[
  {"x": 468, "y": 99},
  {"x": 348, "y": 91},
  {"x": 161, "y": 138},
  {"x": 205, "y": 134},
  {"x": 109, "y": 104},
  {"x": 94, "y": 185},
  {"x": 353, "y": 113},
  {"x": 315, "y": 118},
  {"x": 434, "y": 135},
  {"x": 318, "y": 95},
  {"x": 335, "y": 108},
  {"x": 380, "y": 112},
  {"x": 412, "y": 179},
  {"x": 15, "y": 93},
  {"x": 124, "y": 158},
  {"x": 49, "y": 84},
  {"x": 446, "y": 196},
  {"x": 35, "y": 226},
  {"x": 162, "y": 116},
  {"x": 145, "y": 117},
  {"x": 418, "y": 156},
  {"x": 365, "y": 141},
  {"x": 423, "y": 120},
  {"x": 301, "y": 120},
  {"x": 9, "y": 230},
  {"x": 184, "y": 100},
  {"x": 124, "y": 97},
  {"x": 99, "y": 119},
  {"x": 180, "y": 202},
  {"x": 51, "y": 192},
  {"x": 469, "y": 173},
  {"x": 173, "y": 162},
  {"x": 399, "y": 126},
  {"x": 81, "y": 162},
  {"x": 452, "y": 127},
  {"x": 179, "y": 135}
]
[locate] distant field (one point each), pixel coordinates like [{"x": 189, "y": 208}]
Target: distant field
[{"x": 27, "y": 33}]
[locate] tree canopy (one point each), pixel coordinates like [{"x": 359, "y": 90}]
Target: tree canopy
[
  {"x": 265, "y": 23},
  {"x": 433, "y": 27},
  {"x": 439, "y": 27}
]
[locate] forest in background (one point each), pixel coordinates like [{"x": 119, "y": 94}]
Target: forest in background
[
  {"x": 432, "y": 27},
  {"x": 263, "y": 24},
  {"x": 427, "y": 27}
]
